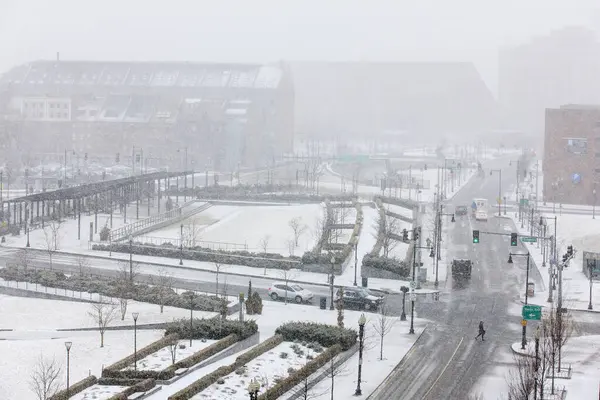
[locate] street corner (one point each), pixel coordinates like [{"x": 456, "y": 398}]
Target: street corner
[{"x": 528, "y": 351}]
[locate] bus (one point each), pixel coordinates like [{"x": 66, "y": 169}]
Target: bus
[{"x": 479, "y": 208}]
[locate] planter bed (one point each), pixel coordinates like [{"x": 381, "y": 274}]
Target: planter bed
[
  {"x": 98, "y": 392},
  {"x": 161, "y": 359}
]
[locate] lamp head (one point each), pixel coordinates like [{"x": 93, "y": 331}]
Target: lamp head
[
  {"x": 510, "y": 260},
  {"x": 362, "y": 320},
  {"x": 68, "y": 345},
  {"x": 135, "y": 315}
]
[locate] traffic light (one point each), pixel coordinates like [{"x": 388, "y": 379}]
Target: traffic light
[
  {"x": 570, "y": 251},
  {"x": 513, "y": 239},
  {"x": 405, "y": 235},
  {"x": 475, "y": 236},
  {"x": 416, "y": 234}
]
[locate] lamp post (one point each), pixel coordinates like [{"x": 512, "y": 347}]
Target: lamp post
[
  {"x": 253, "y": 388},
  {"x": 131, "y": 258},
  {"x": 181, "y": 245},
  {"x": 355, "y": 259},
  {"x": 404, "y": 290},
  {"x": 361, "y": 334},
  {"x": 553, "y": 260},
  {"x": 68, "y": 347},
  {"x": 191, "y": 316},
  {"x": 499, "y": 171},
  {"x": 510, "y": 261},
  {"x": 26, "y": 226},
  {"x": 331, "y": 280},
  {"x": 135, "y": 317},
  {"x": 590, "y": 264},
  {"x": 438, "y": 244},
  {"x": 594, "y": 205},
  {"x": 536, "y": 366}
]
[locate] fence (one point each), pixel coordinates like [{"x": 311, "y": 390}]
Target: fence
[
  {"x": 152, "y": 222},
  {"x": 157, "y": 240}
]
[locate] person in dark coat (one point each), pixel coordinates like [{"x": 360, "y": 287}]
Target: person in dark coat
[{"x": 481, "y": 332}]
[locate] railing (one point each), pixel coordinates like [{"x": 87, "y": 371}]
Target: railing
[
  {"x": 157, "y": 240},
  {"x": 175, "y": 214}
]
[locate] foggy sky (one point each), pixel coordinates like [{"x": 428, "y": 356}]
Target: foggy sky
[{"x": 264, "y": 31}]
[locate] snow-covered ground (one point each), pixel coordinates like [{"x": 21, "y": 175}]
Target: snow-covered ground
[
  {"x": 163, "y": 358},
  {"x": 580, "y": 231},
  {"x": 21, "y": 353},
  {"x": 24, "y": 314},
  {"x": 98, "y": 392},
  {"x": 267, "y": 368}
]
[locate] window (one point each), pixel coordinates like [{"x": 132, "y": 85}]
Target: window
[{"x": 576, "y": 145}]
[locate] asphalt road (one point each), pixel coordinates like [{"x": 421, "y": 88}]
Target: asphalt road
[{"x": 447, "y": 361}]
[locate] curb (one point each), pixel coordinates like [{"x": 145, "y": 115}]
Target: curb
[
  {"x": 520, "y": 354},
  {"x": 374, "y": 393}
]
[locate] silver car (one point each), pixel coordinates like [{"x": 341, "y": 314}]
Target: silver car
[{"x": 293, "y": 291}]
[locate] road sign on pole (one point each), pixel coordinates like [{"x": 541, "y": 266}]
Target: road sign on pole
[
  {"x": 529, "y": 239},
  {"x": 413, "y": 285},
  {"x": 532, "y": 312}
]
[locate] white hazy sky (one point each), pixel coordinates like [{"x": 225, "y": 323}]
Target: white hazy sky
[{"x": 263, "y": 31}]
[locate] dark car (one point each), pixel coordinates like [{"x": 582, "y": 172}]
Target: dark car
[
  {"x": 359, "y": 298},
  {"x": 461, "y": 210}
]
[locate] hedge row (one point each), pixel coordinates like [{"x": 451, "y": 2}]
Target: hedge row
[
  {"x": 294, "y": 379},
  {"x": 169, "y": 372},
  {"x": 111, "y": 287},
  {"x": 142, "y": 386},
  {"x": 213, "y": 329},
  {"x": 199, "y": 253},
  {"x": 207, "y": 380},
  {"x": 75, "y": 388},
  {"x": 325, "y": 335},
  {"x": 141, "y": 353},
  {"x": 388, "y": 264}
]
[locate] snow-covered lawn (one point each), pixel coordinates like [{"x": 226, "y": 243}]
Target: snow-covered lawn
[
  {"x": 162, "y": 358},
  {"x": 405, "y": 212},
  {"x": 98, "y": 392},
  {"x": 21, "y": 313},
  {"x": 21, "y": 352},
  {"x": 268, "y": 368}
]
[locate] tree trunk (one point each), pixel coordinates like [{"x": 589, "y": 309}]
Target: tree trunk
[
  {"x": 381, "y": 349},
  {"x": 101, "y": 339},
  {"x": 162, "y": 306},
  {"x": 332, "y": 382}
]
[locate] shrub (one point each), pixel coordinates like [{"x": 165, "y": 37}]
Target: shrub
[
  {"x": 104, "y": 234},
  {"x": 387, "y": 264},
  {"x": 296, "y": 377},
  {"x": 254, "y": 304},
  {"x": 325, "y": 335},
  {"x": 75, "y": 388},
  {"x": 214, "y": 329},
  {"x": 283, "y": 355},
  {"x": 142, "y": 386}
]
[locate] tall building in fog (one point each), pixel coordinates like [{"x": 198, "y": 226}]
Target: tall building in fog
[{"x": 560, "y": 68}]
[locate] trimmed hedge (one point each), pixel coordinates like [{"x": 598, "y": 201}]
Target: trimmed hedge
[
  {"x": 75, "y": 388},
  {"x": 207, "y": 380},
  {"x": 109, "y": 287},
  {"x": 212, "y": 328},
  {"x": 198, "y": 253},
  {"x": 325, "y": 335},
  {"x": 142, "y": 386},
  {"x": 141, "y": 353},
  {"x": 388, "y": 264},
  {"x": 285, "y": 385}
]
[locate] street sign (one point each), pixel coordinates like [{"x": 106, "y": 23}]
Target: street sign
[
  {"x": 529, "y": 239},
  {"x": 413, "y": 285},
  {"x": 524, "y": 202},
  {"x": 532, "y": 312},
  {"x": 356, "y": 158}
]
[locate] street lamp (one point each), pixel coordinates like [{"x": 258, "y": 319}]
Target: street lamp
[
  {"x": 404, "y": 290},
  {"x": 191, "y": 316},
  {"x": 253, "y": 388},
  {"x": 499, "y": 171},
  {"x": 594, "y": 205},
  {"x": 131, "y": 258},
  {"x": 135, "y": 317},
  {"x": 590, "y": 264},
  {"x": 361, "y": 334},
  {"x": 510, "y": 261},
  {"x": 553, "y": 260},
  {"x": 331, "y": 280},
  {"x": 68, "y": 347},
  {"x": 355, "y": 259},
  {"x": 181, "y": 245}
]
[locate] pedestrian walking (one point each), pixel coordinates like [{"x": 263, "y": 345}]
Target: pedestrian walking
[{"x": 481, "y": 332}]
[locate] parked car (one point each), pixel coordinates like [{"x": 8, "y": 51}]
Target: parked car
[
  {"x": 294, "y": 292},
  {"x": 360, "y": 298},
  {"x": 461, "y": 210}
]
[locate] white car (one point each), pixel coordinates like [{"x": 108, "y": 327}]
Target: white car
[
  {"x": 481, "y": 216},
  {"x": 294, "y": 292}
]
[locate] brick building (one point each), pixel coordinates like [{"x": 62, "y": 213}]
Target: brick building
[
  {"x": 224, "y": 114},
  {"x": 571, "y": 164}
]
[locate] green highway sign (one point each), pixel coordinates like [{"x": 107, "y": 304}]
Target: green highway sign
[
  {"x": 357, "y": 158},
  {"x": 532, "y": 312},
  {"x": 529, "y": 239},
  {"x": 524, "y": 202}
]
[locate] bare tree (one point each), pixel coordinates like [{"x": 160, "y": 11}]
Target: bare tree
[
  {"x": 191, "y": 233},
  {"x": 336, "y": 367},
  {"x": 84, "y": 264},
  {"x": 44, "y": 380},
  {"x": 23, "y": 259},
  {"x": 340, "y": 307},
  {"x": 52, "y": 238},
  {"x": 164, "y": 285},
  {"x": 388, "y": 228},
  {"x": 173, "y": 350},
  {"x": 264, "y": 243},
  {"x": 291, "y": 246},
  {"x": 383, "y": 325},
  {"x": 286, "y": 275},
  {"x": 318, "y": 227},
  {"x": 298, "y": 229},
  {"x": 128, "y": 271},
  {"x": 102, "y": 314},
  {"x": 305, "y": 392},
  {"x": 520, "y": 379},
  {"x": 218, "y": 267}
]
